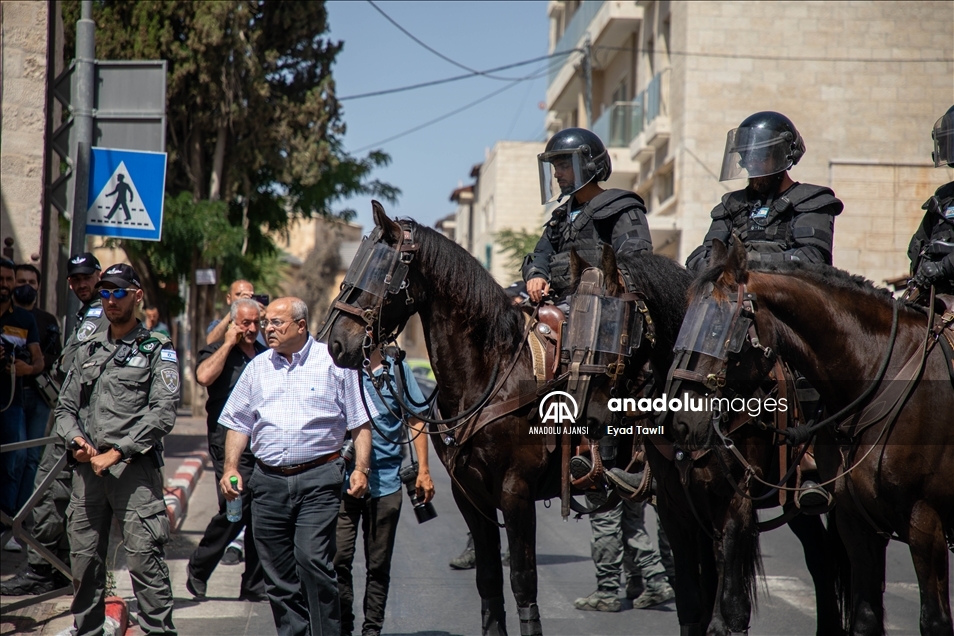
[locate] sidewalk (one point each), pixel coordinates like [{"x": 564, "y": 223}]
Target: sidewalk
[{"x": 222, "y": 613}]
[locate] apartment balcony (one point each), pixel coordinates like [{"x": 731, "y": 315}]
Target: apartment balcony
[
  {"x": 607, "y": 23},
  {"x": 615, "y": 128},
  {"x": 653, "y": 129}
]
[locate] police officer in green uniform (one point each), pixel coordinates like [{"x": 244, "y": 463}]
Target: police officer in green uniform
[
  {"x": 932, "y": 247},
  {"x": 49, "y": 514},
  {"x": 117, "y": 403}
]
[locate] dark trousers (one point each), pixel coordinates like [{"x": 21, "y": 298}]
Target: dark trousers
[
  {"x": 221, "y": 532},
  {"x": 294, "y": 522},
  {"x": 378, "y": 518}
]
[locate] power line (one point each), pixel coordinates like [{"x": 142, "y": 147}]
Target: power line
[
  {"x": 446, "y": 80},
  {"x": 446, "y": 115},
  {"x": 778, "y": 58},
  {"x": 436, "y": 52}
]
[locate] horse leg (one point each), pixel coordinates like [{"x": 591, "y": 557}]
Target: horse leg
[
  {"x": 520, "y": 517},
  {"x": 489, "y": 568},
  {"x": 929, "y": 553},
  {"x": 866, "y": 551},
  {"x": 738, "y": 560},
  {"x": 820, "y": 559},
  {"x": 693, "y": 603}
]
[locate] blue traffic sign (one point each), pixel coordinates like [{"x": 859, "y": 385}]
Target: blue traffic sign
[{"x": 126, "y": 193}]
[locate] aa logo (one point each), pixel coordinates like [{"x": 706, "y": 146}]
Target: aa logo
[{"x": 555, "y": 408}]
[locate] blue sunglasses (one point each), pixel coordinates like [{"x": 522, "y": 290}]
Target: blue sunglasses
[{"x": 118, "y": 294}]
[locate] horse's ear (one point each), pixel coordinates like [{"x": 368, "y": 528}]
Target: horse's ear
[
  {"x": 718, "y": 254},
  {"x": 736, "y": 261},
  {"x": 610, "y": 270},
  {"x": 577, "y": 265},
  {"x": 392, "y": 230}
]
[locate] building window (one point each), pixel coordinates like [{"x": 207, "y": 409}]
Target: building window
[
  {"x": 664, "y": 186},
  {"x": 488, "y": 253}
]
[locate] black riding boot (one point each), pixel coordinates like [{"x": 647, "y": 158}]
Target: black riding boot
[
  {"x": 493, "y": 617},
  {"x": 695, "y": 629},
  {"x": 530, "y": 620}
]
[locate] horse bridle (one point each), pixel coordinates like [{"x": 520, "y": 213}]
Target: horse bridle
[
  {"x": 741, "y": 330},
  {"x": 636, "y": 326},
  {"x": 395, "y": 282}
]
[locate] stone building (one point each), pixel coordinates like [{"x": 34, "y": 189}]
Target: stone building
[
  {"x": 28, "y": 62},
  {"x": 863, "y": 82}
]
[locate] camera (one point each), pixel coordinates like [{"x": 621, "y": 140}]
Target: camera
[
  {"x": 423, "y": 511},
  {"x": 261, "y": 298}
]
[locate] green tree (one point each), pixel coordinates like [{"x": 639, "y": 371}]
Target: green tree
[
  {"x": 516, "y": 244},
  {"x": 253, "y": 127}
]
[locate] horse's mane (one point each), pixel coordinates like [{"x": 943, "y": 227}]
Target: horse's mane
[
  {"x": 819, "y": 274},
  {"x": 665, "y": 283},
  {"x": 494, "y": 322}
]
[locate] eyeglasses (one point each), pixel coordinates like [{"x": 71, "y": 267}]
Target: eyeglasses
[
  {"x": 275, "y": 322},
  {"x": 118, "y": 294}
]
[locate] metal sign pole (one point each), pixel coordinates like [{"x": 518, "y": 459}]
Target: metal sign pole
[{"x": 83, "y": 125}]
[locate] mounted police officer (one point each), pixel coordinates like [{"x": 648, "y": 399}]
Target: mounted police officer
[
  {"x": 117, "y": 403},
  {"x": 778, "y": 219},
  {"x": 932, "y": 247},
  {"x": 573, "y": 164},
  {"x": 49, "y": 514}
]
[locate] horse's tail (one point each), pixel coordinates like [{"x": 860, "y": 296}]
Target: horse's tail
[{"x": 842, "y": 572}]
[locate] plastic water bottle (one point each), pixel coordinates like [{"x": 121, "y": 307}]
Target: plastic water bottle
[{"x": 233, "y": 509}]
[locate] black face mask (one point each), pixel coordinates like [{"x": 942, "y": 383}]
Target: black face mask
[{"x": 24, "y": 295}]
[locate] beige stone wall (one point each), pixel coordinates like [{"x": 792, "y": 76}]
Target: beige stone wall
[
  {"x": 847, "y": 111},
  {"x": 23, "y": 33},
  {"x": 508, "y": 197}
]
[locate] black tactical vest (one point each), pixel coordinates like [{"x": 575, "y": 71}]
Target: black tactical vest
[
  {"x": 592, "y": 226},
  {"x": 768, "y": 228},
  {"x": 941, "y": 208}
]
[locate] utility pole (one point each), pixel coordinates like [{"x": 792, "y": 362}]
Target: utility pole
[
  {"x": 588, "y": 82},
  {"x": 82, "y": 106}
]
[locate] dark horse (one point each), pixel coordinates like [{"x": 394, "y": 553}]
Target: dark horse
[
  {"x": 714, "y": 532},
  {"x": 473, "y": 334},
  {"x": 887, "y": 459}
]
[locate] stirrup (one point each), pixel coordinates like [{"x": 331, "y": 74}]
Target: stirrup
[{"x": 812, "y": 499}]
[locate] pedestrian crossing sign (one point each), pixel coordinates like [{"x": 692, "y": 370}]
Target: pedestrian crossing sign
[{"x": 126, "y": 192}]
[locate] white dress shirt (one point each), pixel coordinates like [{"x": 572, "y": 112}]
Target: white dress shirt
[{"x": 295, "y": 412}]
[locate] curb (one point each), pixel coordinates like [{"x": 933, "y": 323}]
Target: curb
[
  {"x": 179, "y": 487},
  {"x": 117, "y": 617}
]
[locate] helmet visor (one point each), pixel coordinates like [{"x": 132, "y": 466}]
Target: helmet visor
[
  {"x": 561, "y": 174},
  {"x": 755, "y": 152},
  {"x": 944, "y": 140}
]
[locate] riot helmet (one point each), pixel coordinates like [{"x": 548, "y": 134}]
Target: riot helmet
[
  {"x": 943, "y": 136},
  {"x": 764, "y": 143},
  {"x": 573, "y": 157}
]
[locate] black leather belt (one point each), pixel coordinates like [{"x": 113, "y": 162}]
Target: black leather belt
[{"x": 296, "y": 469}]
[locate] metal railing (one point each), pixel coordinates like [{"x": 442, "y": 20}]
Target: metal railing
[
  {"x": 615, "y": 125},
  {"x": 572, "y": 34},
  {"x": 23, "y": 536},
  {"x": 654, "y": 100}
]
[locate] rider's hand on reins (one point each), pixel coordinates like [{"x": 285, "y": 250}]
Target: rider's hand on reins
[{"x": 537, "y": 288}]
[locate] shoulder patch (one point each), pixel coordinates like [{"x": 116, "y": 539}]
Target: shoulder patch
[
  {"x": 170, "y": 379},
  {"x": 87, "y": 329},
  {"x": 94, "y": 312},
  {"x": 149, "y": 345},
  {"x": 169, "y": 355}
]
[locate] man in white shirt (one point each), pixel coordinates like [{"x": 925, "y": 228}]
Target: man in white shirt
[{"x": 296, "y": 405}]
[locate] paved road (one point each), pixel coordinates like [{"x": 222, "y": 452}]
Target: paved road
[{"x": 429, "y": 599}]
